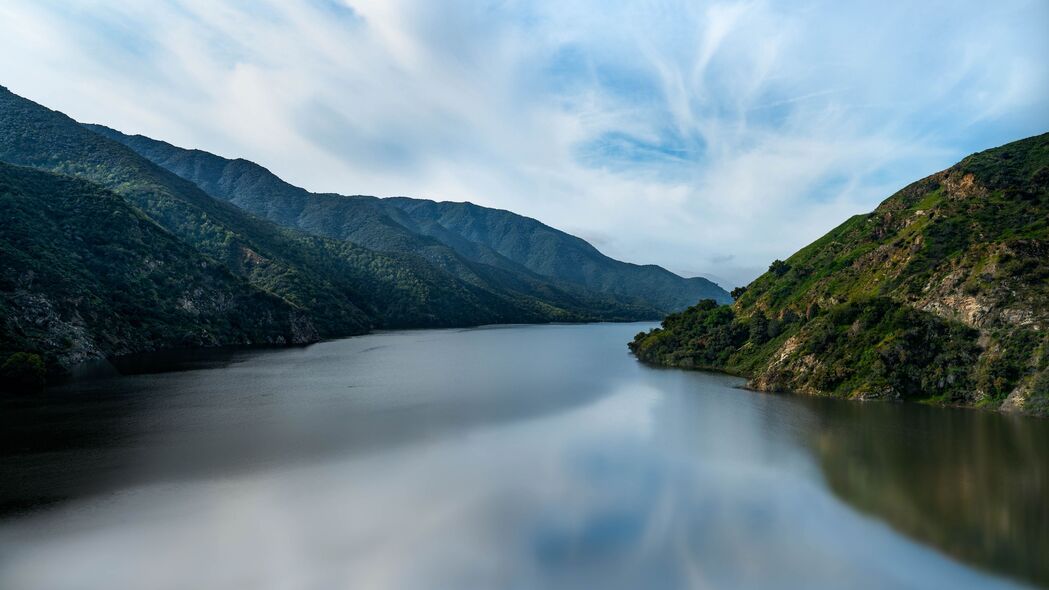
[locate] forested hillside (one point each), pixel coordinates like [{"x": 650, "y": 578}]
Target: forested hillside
[
  {"x": 451, "y": 235},
  {"x": 84, "y": 274},
  {"x": 276, "y": 284}
]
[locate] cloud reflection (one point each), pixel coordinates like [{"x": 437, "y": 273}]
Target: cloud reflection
[{"x": 667, "y": 480}]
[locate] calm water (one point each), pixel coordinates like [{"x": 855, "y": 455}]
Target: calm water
[{"x": 509, "y": 457}]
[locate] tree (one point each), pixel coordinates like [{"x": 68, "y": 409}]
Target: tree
[
  {"x": 738, "y": 292},
  {"x": 779, "y": 268},
  {"x": 775, "y": 328},
  {"x": 759, "y": 328},
  {"x": 23, "y": 372}
]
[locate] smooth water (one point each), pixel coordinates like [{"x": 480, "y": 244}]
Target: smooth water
[{"x": 505, "y": 457}]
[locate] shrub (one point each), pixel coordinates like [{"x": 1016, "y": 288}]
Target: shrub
[
  {"x": 779, "y": 268},
  {"x": 759, "y": 328},
  {"x": 23, "y": 372}
]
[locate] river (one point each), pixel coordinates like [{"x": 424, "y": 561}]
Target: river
[{"x": 503, "y": 457}]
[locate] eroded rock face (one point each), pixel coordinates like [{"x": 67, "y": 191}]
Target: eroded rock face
[
  {"x": 963, "y": 308},
  {"x": 1017, "y": 399},
  {"x": 962, "y": 185},
  {"x": 34, "y": 313},
  {"x": 302, "y": 329}
]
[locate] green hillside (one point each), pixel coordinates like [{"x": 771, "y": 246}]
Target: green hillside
[
  {"x": 552, "y": 253},
  {"x": 83, "y": 275},
  {"x": 454, "y": 236},
  {"x": 342, "y": 287},
  {"x": 940, "y": 294}
]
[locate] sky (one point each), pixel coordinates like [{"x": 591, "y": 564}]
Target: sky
[{"x": 706, "y": 137}]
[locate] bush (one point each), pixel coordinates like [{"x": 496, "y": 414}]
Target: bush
[
  {"x": 23, "y": 372},
  {"x": 779, "y": 268},
  {"x": 759, "y": 328}
]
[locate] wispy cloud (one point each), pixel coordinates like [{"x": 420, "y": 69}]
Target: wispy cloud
[{"x": 708, "y": 137}]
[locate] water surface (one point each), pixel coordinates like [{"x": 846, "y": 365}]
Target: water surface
[{"x": 505, "y": 457}]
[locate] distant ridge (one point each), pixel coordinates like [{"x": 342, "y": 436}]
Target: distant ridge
[{"x": 400, "y": 224}]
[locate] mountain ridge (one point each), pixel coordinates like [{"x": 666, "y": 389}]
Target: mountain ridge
[
  {"x": 512, "y": 242},
  {"x": 330, "y": 287},
  {"x": 182, "y": 205}
]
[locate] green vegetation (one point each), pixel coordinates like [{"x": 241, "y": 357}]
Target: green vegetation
[
  {"x": 84, "y": 274},
  {"x": 22, "y": 372},
  {"x": 161, "y": 247},
  {"x": 941, "y": 294},
  {"x": 479, "y": 245}
]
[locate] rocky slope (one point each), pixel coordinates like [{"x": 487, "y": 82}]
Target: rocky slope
[{"x": 940, "y": 294}]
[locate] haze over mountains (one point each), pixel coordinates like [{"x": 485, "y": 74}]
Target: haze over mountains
[{"x": 277, "y": 264}]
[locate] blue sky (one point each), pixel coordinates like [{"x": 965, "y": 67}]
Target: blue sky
[{"x": 708, "y": 137}]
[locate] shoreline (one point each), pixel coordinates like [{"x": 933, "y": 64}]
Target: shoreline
[{"x": 921, "y": 402}]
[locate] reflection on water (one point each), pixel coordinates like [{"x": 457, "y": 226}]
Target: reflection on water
[
  {"x": 971, "y": 483},
  {"x": 518, "y": 457}
]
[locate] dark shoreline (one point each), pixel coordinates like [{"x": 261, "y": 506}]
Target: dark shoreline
[
  {"x": 163, "y": 360},
  {"x": 820, "y": 395}
]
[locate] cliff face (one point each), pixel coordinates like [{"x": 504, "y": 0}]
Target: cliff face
[{"x": 941, "y": 293}]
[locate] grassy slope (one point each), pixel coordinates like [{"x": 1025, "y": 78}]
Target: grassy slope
[{"x": 940, "y": 294}]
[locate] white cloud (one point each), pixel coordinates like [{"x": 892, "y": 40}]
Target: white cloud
[{"x": 707, "y": 137}]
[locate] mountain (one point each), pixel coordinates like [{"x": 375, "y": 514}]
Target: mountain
[
  {"x": 276, "y": 283},
  {"x": 349, "y": 288},
  {"x": 555, "y": 254},
  {"x": 84, "y": 274},
  {"x": 442, "y": 231},
  {"x": 940, "y": 294}
]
